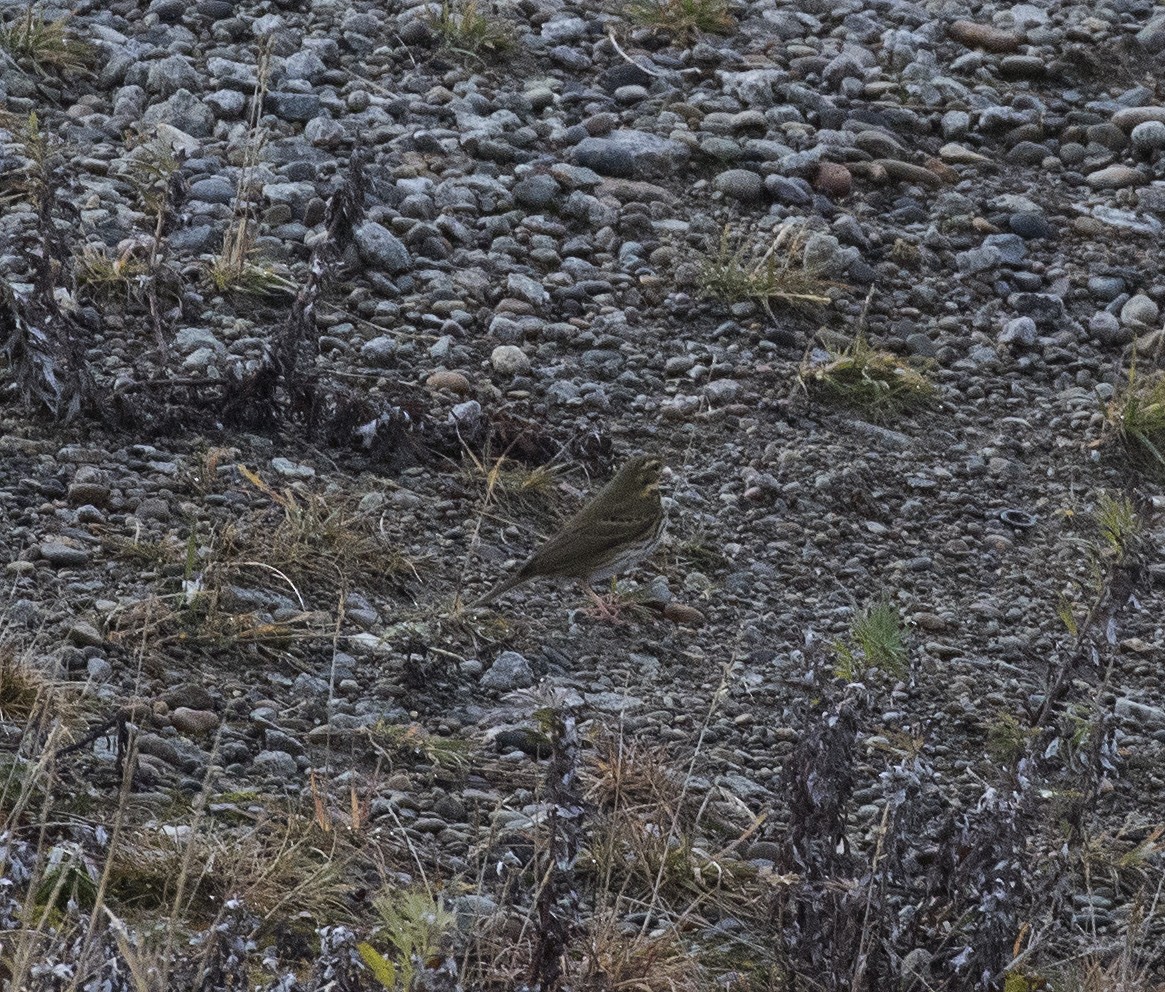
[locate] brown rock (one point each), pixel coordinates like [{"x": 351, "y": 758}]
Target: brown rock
[
  {"x": 1116, "y": 177},
  {"x": 188, "y": 721},
  {"x": 942, "y": 170},
  {"x": 1130, "y": 117},
  {"x": 681, "y": 614},
  {"x": 909, "y": 173},
  {"x": 984, "y": 36},
  {"x": 455, "y": 382},
  {"x": 834, "y": 180},
  {"x": 958, "y": 154}
]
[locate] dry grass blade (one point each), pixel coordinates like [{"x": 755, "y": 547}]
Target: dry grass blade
[
  {"x": 467, "y": 28},
  {"x": 878, "y": 383},
  {"x": 1136, "y": 417},
  {"x": 770, "y": 272},
  {"x": 682, "y": 19},
  {"x": 48, "y": 47},
  {"x": 620, "y": 958}
]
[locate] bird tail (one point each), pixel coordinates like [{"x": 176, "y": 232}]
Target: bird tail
[{"x": 500, "y": 589}]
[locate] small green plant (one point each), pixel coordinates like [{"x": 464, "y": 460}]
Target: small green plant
[
  {"x": 417, "y": 927},
  {"x": 408, "y": 744},
  {"x": 1007, "y": 739},
  {"x": 467, "y": 28},
  {"x": 1136, "y": 415},
  {"x": 1119, "y": 524},
  {"x": 682, "y": 19},
  {"x": 110, "y": 277},
  {"x": 22, "y": 688},
  {"x": 877, "y": 382},
  {"x": 764, "y": 272},
  {"x": 875, "y": 641},
  {"x": 47, "y": 47},
  {"x": 233, "y": 270}
]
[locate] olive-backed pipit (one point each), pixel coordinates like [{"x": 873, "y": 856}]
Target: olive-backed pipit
[{"x": 618, "y": 528}]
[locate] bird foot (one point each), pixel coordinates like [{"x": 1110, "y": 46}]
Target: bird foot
[{"x": 609, "y": 607}]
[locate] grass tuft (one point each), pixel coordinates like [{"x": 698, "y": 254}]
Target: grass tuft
[
  {"x": 113, "y": 278},
  {"x": 1119, "y": 524},
  {"x": 467, "y": 28},
  {"x": 876, "y": 382},
  {"x": 234, "y": 270},
  {"x": 1136, "y": 415},
  {"x": 770, "y": 272},
  {"x": 875, "y": 641},
  {"x": 48, "y": 47},
  {"x": 409, "y": 744},
  {"x": 418, "y": 928},
  {"x": 682, "y": 19}
]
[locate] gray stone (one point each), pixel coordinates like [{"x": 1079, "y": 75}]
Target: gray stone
[
  {"x": 295, "y": 107},
  {"x": 381, "y": 249},
  {"x": 276, "y": 764},
  {"x": 169, "y": 75},
  {"x": 98, "y": 669},
  {"x": 536, "y": 192},
  {"x": 62, "y": 555},
  {"x": 1019, "y": 330},
  {"x": 1142, "y": 714},
  {"x": 508, "y": 359},
  {"x": 524, "y": 288},
  {"x": 184, "y": 111},
  {"x": 627, "y": 154},
  {"x": 83, "y": 634},
  {"x": 1148, "y": 136},
  {"x": 214, "y": 189},
  {"x": 740, "y": 184},
  {"x": 977, "y": 260},
  {"x": 380, "y": 351},
  {"x": 1140, "y": 311},
  {"x": 240, "y": 76},
  {"x": 292, "y": 470},
  {"x": 1106, "y": 287},
  {"x": 508, "y": 672},
  {"x": 304, "y": 65},
  {"x": 1105, "y": 327},
  {"x": 1116, "y": 177},
  {"x": 1011, "y": 248}
]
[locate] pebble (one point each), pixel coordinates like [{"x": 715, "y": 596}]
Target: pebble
[
  {"x": 740, "y": 184},
  {"x": 509, "y": 360},
  {"x": 1148, "y": 136},
  {"x": 381, "y": 249},
  {"x": 1116, "y": 177},
  {"x": 1140, "y": 311},
  {"x": 193, "y": 722},
  {"x": 508, "y": 672},
  {"x": 62, "y": 555},
  {"x": 454, "y": 382}
]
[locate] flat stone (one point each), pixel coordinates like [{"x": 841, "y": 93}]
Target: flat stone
[
  {"x": 1116, "y": 177},
  {"x": 740, "y": 184},
  {"x": 190, "y": 721},
  {"x": 63, "y": 555},
  {"x": 991, "y": 39},
  {"x": 1130, "y": 117},
  {"x": 508, "y": 672},
  {"x": 509, "y": 359},
  {"x": 454, "y": 382}
]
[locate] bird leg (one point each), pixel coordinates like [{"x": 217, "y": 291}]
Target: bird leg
[{"x": 606, "y": 607}]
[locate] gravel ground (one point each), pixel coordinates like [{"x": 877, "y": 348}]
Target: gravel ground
[{"x": 983, "y": 186}]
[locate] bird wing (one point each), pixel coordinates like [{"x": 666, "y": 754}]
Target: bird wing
[{"x": 578, "y": 549}]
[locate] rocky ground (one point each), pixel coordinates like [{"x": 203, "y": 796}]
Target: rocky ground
[{"x": 246, "y": 536}]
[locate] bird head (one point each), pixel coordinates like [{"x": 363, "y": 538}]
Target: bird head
[{"x": 642, "y": 474}]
